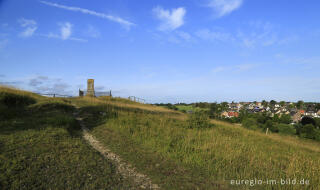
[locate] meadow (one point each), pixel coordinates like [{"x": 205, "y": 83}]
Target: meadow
[
  {"x": 215, "y": 155},
  {"x": 41, "y": 147}
]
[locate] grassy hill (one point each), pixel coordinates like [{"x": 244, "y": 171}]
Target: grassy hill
[{"x": 41, "y": 147}]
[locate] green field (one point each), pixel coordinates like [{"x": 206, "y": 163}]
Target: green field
[
  {"x": 189, "y": 108},
  {"x": 41, "y": 147}
]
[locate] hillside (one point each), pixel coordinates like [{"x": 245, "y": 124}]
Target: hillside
[{"x": 41, "y": 146}]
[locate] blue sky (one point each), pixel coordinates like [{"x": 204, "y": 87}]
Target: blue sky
[{"x": 164, "y": 51}]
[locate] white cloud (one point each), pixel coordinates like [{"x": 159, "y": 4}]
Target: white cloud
[
  {"x": 29, "y": 25},
  {"x": 26, "y": 22},
  {"x": 28, "y": 32},
  {"x": 51, "y": 35},
  {"x": 244, "y": 67},
  {"x": 65, "y": 33},
  {"x": 219, "y": 69},
  {"x": 224, "y": 7},
  {"x": 207, "y": 34},
  {"x": 234, "y": 68},
  {"x": 66, "y": 30},
  {"x": 171, "y": 20},
  {"x": 184, "y": 35},
  {"x": 176, "y": 37},
  {"x": 92, "y": 32},
  {"x": 45, "y": 84},
  {"x": 90, "y": 12},
  {"x": 260, "y": 34}
]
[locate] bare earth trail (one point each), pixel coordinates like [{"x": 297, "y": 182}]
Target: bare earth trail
[{"x": 125, "y": 169}]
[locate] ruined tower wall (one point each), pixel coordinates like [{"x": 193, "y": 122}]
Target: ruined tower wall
[{"x": 90, "y": 87}]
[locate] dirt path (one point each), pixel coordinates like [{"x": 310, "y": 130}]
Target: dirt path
[{"x": 126, "y": 170}]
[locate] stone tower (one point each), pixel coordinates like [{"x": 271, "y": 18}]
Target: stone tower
[{"x": 90, "y": 87}]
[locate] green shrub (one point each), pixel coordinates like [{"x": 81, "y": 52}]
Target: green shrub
[
  {"x": 272, "y": 126},
  {"x": 309, "y": 131},
  {"x": 15, "y": 100},
  {"x": 198, "y": 120},
  {"x": 250, "y": 123},
  {"x": 286, "y": 129},
  {"x": 285, "y": 119}
]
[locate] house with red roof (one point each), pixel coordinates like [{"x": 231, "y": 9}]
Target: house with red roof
[{"x": 233, "y": 114}]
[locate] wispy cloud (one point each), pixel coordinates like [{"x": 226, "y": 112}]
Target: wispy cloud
[
  {"x": 117, "y": 19},
  {"x": 234, "y": 68},
  {"x": 66, "y": 30},
  {"x": 37, "y": 80},
  {"x": 260, "y": 34},
  {"x": 176, "y": 37},
  {"x": 184, "y": 35},
  {"x": 219, "y": 69},
  {"x": 29, "y": 25},
  {"x": 224, "y": 7},
  {"x": 65, "y": 33},
  {"x": 206, "y": 34},
  {"x": 171, "y": 19},
  {"x": 92, "y": 32},
  {"x": 45, "y": 84}
]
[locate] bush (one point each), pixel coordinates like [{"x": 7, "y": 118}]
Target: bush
[
  {"x": 198, "y": 120},
  {"x": 250, "y": 123},
  {"x": 308, "y": 120},
  {"x": 308, "y": 131},
  {"x": 286, "y": 129},
  {"x": 272, "y": 126},
  {"x": 285, "y": 119},
  {"x": 15, "y": 100},
  {"x": 317, "y": 121}
]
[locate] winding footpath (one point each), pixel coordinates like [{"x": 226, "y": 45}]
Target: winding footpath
[{"x": 125, "y": 169}]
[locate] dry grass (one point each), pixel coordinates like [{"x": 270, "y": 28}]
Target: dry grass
[
  {"x": 221, "y": 153},
  {"x": 123, "y": 103},
  {"x": 290, "y": 140}
]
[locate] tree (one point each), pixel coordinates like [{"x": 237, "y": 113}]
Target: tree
[
  {"x": 273, "y": 102},
  {"x": 262, "y": 118},
  {"x": 286, "y": 129},
  {"x": 282, "y": 103},
  {"x": 291, "y": 106},
  {"x": 250, "y": 123},
  {"x": 272, "y": 127},
  {"x": 300, "y": 104},
  {"x": 243, "y": 113},
  {"x": 317, "y": 121},
  {"x": 285, "y": 119},
  {"x": 308, "y": 131},
  {"x": 308, "y": 120},
  {"x": 214, "y": 110},
  {"x": 276, "y": 118},
  {"x": 264, "y": 103},
  {"x": 224, "y": 106}
]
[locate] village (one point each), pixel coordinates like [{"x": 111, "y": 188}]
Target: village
[{"x": 296, "y": 110}]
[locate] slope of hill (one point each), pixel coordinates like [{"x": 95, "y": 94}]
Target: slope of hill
[
  {"x": 41, "y": 147},
  {"x": 175, "y": 156}
]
